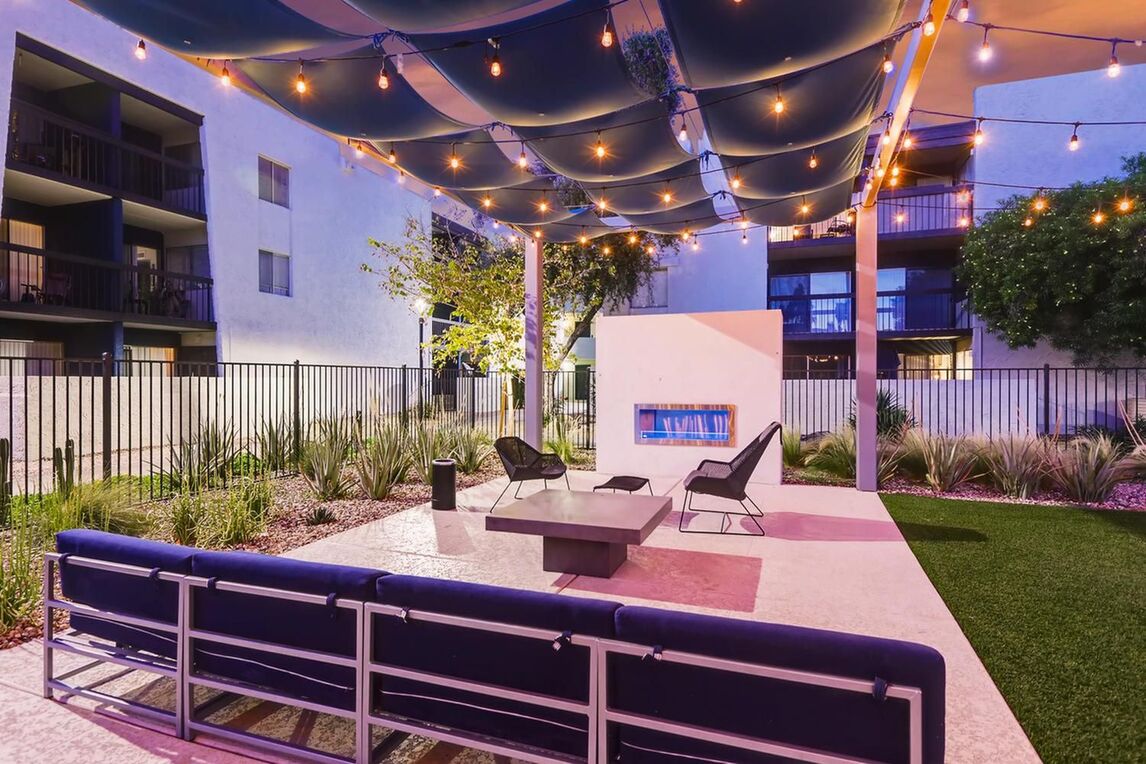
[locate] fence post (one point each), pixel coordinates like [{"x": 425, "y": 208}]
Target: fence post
[
  {"x": 1046, "y": 399},
  {"x": 473, "y": 400},
  {"x": 108, "y": 366},
  {"x": 296, "y": 413},
  {"x": 405, "y": 398}
]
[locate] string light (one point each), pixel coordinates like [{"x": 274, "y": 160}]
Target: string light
[
  {"x": 358, "y": 152},
  {"x": 300, "y": 80},
  {"x": 487, "y": 202},
  {"x": 895, "y": 171},
  {"x": 607, "y": 35},
  {"x": 1113, "y": 69},
  {"x": 543, "y": 205},
  {"x": 813, "y": 161},
  {"x": 682, "y": 135},
  {"x": 735, "y": 181},
  {"x": 650, "y": 249},
  {"x": 963, "y": 197},
  {"x": 900, "y": 216},
  {"x": 438, "y": 192},
  {"x": 964, "y": 221},
  {"x": 985, "y": 51},
  {"x": 495, "y": 60},
  {"x": 583, "y": 239},
  {"x": 537, "y": 233},
  {"x": 393, "y": 155},
  {"x": 402, "y": 177},
  {"x": 1124, "y": 204},
  {"x": 979, "y": 136},
  {"x": 1029, "y": 222},
  {"x": 929, "y": 23},
  {"x": 684, "y": 235},
  {"x": 744, "y": 238},
  {"x": 907, "y": 141},
  {"x": 632, "y": 238},
  {"x": 141, "y": 50},
  {"x": 1039, "y": 204},
  {"x": 1098, "y": 217},
  {"x": 602, "y": 202},
  {"x": 225, "y": 76},
  {"x": 383, "y": 77},
  {"x": 778, "y": 104},
  {"x": 1074, "y": 143},
  {"x": 744, "y": 224},
  {"x": 964, "y": 11},
  {"x": 805, "y": 208},
  {"x": 607, "y": 249},
  {"x": 893, "y": 182},
  {"x": 599, "y": 149},
  {"x": 886, "y": 137},
  {"x": 666, "y": 195},
  {"x": 522, "y": 160},
  {"x": 888, "y": 64},
  {"x": 455, "y": 162},
  {"x": 695, "y": 243}
]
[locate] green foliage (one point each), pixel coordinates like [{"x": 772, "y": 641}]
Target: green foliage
[
  {"x": 382, "y": 461},
  {"x": 5, "y": 481},
  {"x": 1088, "y": 469},
  {"x": 1017, "y": 466},
  {"x": 469, "y": 447},
  {"x": 647, "y": 57},
  {"x": 20, "y": 550},
  {"x": 183, "y": 516},
  {"x": 792, "y": 448},
  {"x": 1065, "y": 279},
  {"x": 428, "y": 442},
  {"x": 338, "y": 432},
  {"x": 835, "y": 454},
  {"x": 319, "y": 514},
  {"x": 950, "y": 462},
  {"x": 237, "y": 515},
  {"x": 890, "y": 417},
  {"x": 559, "y": 442},
  {"x": 321, "y": 465},
  {"x": 183, "y": 473},
  {"x": 64, "y": 468},
  {"x": 218, "y": 448},
  {"x": 275, "y": 445}
]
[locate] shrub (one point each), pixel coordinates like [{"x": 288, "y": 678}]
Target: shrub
[
  {"x": 427, "y": 443},
  {"x": 950, "y": 462},
  {"x": 382, "y": 461},
  {"x": 239, "y": 514},
  {"x": 184, "y": 515},
  {"x": 5, "y": 481},
  {"x": 890, "y": 417},
  {"x": 184, "y": 472},
  {"x": 218, "y": 447},
  {"x": 319, "y": 514},
  {"x": 246, "y": 464},
  {"x": 20, "y": 551},
  {"x": 470, "y": 447},
  {"x": 836, "y": 454},
  {"x": 1016, "y": 466},
  {"x": 275, "y": 445},
  {"x": 913, "y": 445},
  {"x": 792, "y": 448},
  {"x": 321, "y": 465},
  {"x": 559, "y": 442},
  {"x": 1088, "y": 469},
  {"x": 338, "y": 433}
]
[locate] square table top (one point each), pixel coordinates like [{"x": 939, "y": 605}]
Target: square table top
[{"x": 583, "y": 515}]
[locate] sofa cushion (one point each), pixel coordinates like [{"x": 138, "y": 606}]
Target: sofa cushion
[
  {"x": 121, "y": 593},
  {"x": 827, "y": 719},
  {"x": 514, "y": 662},
  {"x": 323, "y": 628}
]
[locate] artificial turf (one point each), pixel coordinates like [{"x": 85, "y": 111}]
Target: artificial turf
[{"x": 1054, "y": 601}]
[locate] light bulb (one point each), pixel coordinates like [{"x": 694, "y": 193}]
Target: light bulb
[
  {"x": 402, "y": 177},
  {"x": 805, "y": 208},
  {"x": 1039, "y": 204},
  {"x": 895, "y": 171},
  {"x": 682, "y": 135},
  {"x": 666, "y": 197},
  {"x": 744, "y": 224},
  {"x": 1124, "y": 204},
  {"x": 900, "y": 217},
  {"x": 358, "y": 152},
  {"x": 537, "y": 233},
  {"x": 886, "y": 137},
  {"x": 650, "y": 249},
  {"x": 964, "y": 221},
  {"x": 778, "y": 105},
  {"x": 1098, "y": 217},
  {"x": 1113, "y": 69},
  {"x": 599, "y": 149},
  {"x": 1029, "y": 222},
  {"x": 985, "y": 51},
  {"x": 735, "y": 181},
  {"x": 888, "y": 64},
  {"x": 607, "y": 249},
  {"x": 684, "y": 235},
  {"x": 225, "y": 76},
  {"x": 601, "y": 204},
  {"x": 880, "y": 172},
  {"x": 979, "y": 136},
  {"x": 893, "y": 182},
  {"x": 583, "y": 239},
  {"x": 455, "y": 163},
  {"x": 907, "y": 141},
  {"x": 300, "y": 80},
  {"x": 383, "y": 77},
  {"x": 543, "y": 205},
  {"x": 393, "y": 156},
  {"x": 632, "y": 238},
  {"x": 487, "y": 202},
  {"x": 963, "y": 196},
  {"x": 813, "y": 161},
  {"x": 964, "y": 11},
  {"x": 522, "y": 160},
  {"x": 607, "y": 37},
  {"x": 744, "y": 238},
  {"x": 438, "y": 192},
  {"x": 495, "y": 66},
  {"x": 141, "y": 50},
  {"x": 929, "y": 24},
  {"x": 1074, "y": 142},
  {"x": 695, "y": 244}
]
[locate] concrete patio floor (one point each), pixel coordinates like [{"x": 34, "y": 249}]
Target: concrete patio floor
[{"x": 833, "y": 559}]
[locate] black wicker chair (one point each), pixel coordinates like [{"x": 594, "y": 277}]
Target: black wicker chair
[
  {"x": 728, "y": 480},
  {"x": 524, "y": 462}
]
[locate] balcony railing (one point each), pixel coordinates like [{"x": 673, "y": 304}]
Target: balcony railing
[
  {"x": 49, "y": 142},
  {"x": 44, "y": 280},
  {"x": 911, "y": 211},
  {"x": 927, "y": 310}
]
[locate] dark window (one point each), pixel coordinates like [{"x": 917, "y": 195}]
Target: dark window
[
  {"x": 274, "y": 273},
  {"x": 274, "y": 182}
]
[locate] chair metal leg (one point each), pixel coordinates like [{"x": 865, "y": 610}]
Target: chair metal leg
[
  {"x": 517, "y": 493},
  {"x": 726, "y": 522},
  {"x": 567, "y": 486},
  {"x": 503, "y": 490},
  {"x": 650, "y": 487}
]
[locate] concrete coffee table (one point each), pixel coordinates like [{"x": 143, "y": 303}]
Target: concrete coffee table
[{"x": 582, "y": 532}]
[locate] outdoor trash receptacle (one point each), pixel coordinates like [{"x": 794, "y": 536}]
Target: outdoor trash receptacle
[{"x": 443, "y": 482}]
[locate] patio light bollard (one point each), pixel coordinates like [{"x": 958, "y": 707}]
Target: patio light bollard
[{"x": 443, "y": 484}]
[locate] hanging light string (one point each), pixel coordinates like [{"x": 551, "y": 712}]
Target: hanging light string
[{"x": 1028, "y": 121}]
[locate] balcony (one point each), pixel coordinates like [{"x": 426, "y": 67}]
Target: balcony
[
  {"x": 901, "y": 214},
  {"x": 40, "y": 282},
  {"x": 896, "y": 312},
  {"x": 56, "y": 147}
]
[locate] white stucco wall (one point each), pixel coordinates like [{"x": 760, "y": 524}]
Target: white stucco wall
[
  {"x": 1037, "y": 155},
  {"x": 686, "y": 358},
  {"x": 336, "y": 314}
]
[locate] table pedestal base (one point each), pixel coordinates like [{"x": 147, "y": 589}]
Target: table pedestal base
[{"x": 583, "y": 558}]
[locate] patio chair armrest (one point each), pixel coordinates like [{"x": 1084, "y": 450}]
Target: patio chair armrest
[{"x": 713, "y": 468}]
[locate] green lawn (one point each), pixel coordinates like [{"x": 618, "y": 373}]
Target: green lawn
[{"x": 1054, "y": 601}]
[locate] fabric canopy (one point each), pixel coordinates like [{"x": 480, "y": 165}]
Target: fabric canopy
[
  {"x": 687, "y": 219},
  {"x": 791, "y": 172},
  {"x": 519, "y": 205},
  {"x": 422, "y": 15},
  {"x": 584, "y": 223},
  {"x": 481, "y": 163},
  {"x": 638, "y": 141},
  {"x": 726, "y": 43},
  {"x": 820, "y": 104},
  {"x": 682, "y": 183},
  {"x": 788, "y": 211},
  {"x": 218, "y": 28},
  {"x": 343, "y": 97},
  {"x": 554, "y": 70}
]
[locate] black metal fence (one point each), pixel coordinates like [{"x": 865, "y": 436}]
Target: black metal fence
[
  {"x": 135, "y": 419},
  {"x": 972, "y": 401}
]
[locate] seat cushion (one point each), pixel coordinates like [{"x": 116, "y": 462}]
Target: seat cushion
[
  {"x": 827, "y": 719},
  {"x": 323, "y": 628},
  {"x": 120, "y": 593},
  {"x": 514, "y": 662}
]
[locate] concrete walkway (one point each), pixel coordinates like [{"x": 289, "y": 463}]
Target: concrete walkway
[{"x": 832, "y": 559}]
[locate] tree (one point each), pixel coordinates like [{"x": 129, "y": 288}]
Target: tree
[{"x": 1068, "y": 267}]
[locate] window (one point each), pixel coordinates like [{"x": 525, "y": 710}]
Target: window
[
  {"x": 21, "y": 272},
  {"x": 40, "y": 355},
  {"x": 796, "y": 297},
  {"x": 274, "y": 273},
  {"x": 274, "y": 182},
  {"x": 149, "y": 360},
  {"x": 653, "y": 293}
]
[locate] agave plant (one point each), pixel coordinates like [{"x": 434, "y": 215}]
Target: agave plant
[
  {"x": 792, "y": 448},
  {"x": 275, "y": 444},
  {"x": 1088, "y": 469},
  {"x": 469, "y": 447},
  {"x": 218, "y": 448},
  {"x": 321, "y": 465},
  {"x": 1017, "y": 466},
  {"x": 382, "y": 461},
  {"x": 836, "y": 453},
  {"x": 338, "y": 432},
  {"x": 560, "y": 442},
  {"x": 950, "y": 462},
  {"x": 427, "y": 443}
]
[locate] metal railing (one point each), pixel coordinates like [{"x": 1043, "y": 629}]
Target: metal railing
[
  {"x": 38, "y": 277},
  {"x": 45, "y": 141},
  {"x": 910, "y": 211},
  {"x": 900, "y": 311},
  {"x": 137, "y": 419}
]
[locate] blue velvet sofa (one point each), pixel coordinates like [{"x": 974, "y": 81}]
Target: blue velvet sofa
[{"x": 536, "y": 676}]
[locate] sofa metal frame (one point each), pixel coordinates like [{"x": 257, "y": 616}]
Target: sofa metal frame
[{"x": 599, "y": 714}]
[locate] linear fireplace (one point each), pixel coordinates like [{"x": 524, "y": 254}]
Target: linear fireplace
[{"x": 685, "y": 424}]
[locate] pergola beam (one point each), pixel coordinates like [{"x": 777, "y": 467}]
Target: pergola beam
[{"x": 907, "y": 85}]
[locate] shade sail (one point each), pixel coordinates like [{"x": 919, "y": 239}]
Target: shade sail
[
  {"x": 791, "y": 172},
  {"x": 422, "y": 15},
  {"x": 481, "y": 163},
  {"x": 638, "y": 141},
  {"x": 725, "y": 43},
  {"x": 519, "y": 205},
  {"x": 584, "y": 223},
  {"x": 218, "y": 28},
  {"x": 646, "y": 193},
  {"x": 554, "y": 68},
  {"x": 343, "y": 97},
  {"x": 689, "y": 218},
  {"x": 788, "y": 211},
  {"x": 819, "y": 105}
]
